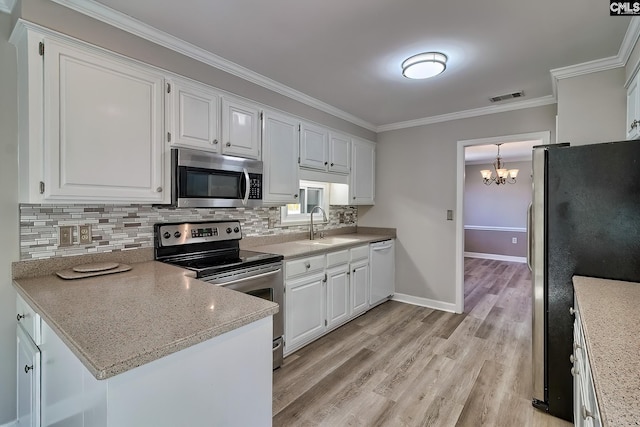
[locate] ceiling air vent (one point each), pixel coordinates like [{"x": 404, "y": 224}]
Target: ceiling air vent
[{"x": 507, "y": 96}]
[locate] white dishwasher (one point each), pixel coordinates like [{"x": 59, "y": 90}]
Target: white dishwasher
[{"x": 382, "y": 262}]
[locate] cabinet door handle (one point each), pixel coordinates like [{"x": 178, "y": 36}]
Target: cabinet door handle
[
  {"x": 354, "y": 197},
  {"x": 20, "y": 316},
  {"x": 572, "y": 359},
  {"x": 325, "y": 163},
  {"x": 215, "y": 141},
  {"x": 159, "y": 189},
  {"x": 575, "y": 371},
  {"x": 295, "y": 196},
  {"x": 27, "y": 368},
  {"x": 307, "y": 265},
  {"x": 572, "y": 311},
  {"x": 331, "y": 164},
  {"x": 228, "y": 144},
  {"x": 586, "y": 413}
]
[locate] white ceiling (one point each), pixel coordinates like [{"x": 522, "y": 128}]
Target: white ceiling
[{"x": 348, "y": 53}]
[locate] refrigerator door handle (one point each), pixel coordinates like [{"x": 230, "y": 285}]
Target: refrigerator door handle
[{"x": 529, "y": 231}]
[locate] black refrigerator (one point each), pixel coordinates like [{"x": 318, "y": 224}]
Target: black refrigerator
[{"x": 584, "y": 220}]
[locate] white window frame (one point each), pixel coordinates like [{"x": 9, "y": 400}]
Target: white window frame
[{"x": 305, "y": 218}]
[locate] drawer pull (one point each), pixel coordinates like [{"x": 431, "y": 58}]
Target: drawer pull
[
  {"x": 575, "y": 371},
  {"x": 572, "y": 311},
  {"x": 20, "y": 316},
  {"x": 307, "y": 265},
  {"x": 572, "y": 359},
  {"x": 586, "y": 413},
  {"x": 27, "y": 368}
]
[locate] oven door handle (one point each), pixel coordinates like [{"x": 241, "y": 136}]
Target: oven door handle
[
  {"x": 244, "y": 279},
  {"x": 247, "y": 186}
]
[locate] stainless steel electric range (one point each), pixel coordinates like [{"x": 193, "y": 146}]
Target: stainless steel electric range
[{"x": 212, "y": 250}]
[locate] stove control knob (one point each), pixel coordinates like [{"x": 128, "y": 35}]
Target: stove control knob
[
  {"x": 229, "y": 230},
  {"x": 166, "y": 235},
  {"x": 177, "y": 234},
  {"x": 236, "y": 230}
]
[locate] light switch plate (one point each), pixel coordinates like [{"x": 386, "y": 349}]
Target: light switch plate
[
  {"x": 84, "y": 234},
  {"x": 65, "y": 235}
]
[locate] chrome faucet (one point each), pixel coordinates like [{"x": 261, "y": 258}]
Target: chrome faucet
[{"x": 324, "y": 217}]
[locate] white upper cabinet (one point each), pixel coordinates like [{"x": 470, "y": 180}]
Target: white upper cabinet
[
  {"x": 280, "y": 157},
  {"x": 633, "y": 109},
  {"x": 193, "y": 115},
  {"x": 339, "y": 153},
  {"x": 103, "y": 135},
  {"x": 91, "y": 124},
  {"x": 313, "y": 146},
  {"x": 240, "y": 128},
  {"x": 363, "y": 164}
]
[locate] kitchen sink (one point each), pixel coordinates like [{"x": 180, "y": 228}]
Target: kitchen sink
[{"x": 327, "y": 241}]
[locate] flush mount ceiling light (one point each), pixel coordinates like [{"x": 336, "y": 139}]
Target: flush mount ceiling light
[
  {"x": 424, "y": 65},
  {"x": 503, "y": 175}
]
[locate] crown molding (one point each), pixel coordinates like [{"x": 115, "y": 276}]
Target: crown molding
[
  {"x": 518, "y": 105},
  {"x": 133, "y": 26},
  {"x": 6, "y": 6},
  {"x": 620, "y": 60}
]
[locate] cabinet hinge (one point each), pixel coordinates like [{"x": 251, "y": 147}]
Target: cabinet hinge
[
  {"x": 261, "y": 116},
  {"x": 168, "y": 87},
  {"x": 41, "y": 187},
  {"x": 168, "y": 136},
  {"x": 298, "y": 159},
  {"x": 41, "y": 48},
  {"x": 299, "y": 128},
  {"x": 325, "y": 278}
]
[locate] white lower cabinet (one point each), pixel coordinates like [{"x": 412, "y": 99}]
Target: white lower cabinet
[
  {"x": 305, "y": 310},
  {"x": 28, "y": 380},
  {"x": 359, "y": 286},
  {"x": 226, "y": 380},
  {"x": 585, "y": 404},
  {"x": 324, "y": 292}
]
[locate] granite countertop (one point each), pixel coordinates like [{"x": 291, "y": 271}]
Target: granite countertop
[
  {"x": 116, "y": 322},
  {"x": 306, "y": 247},
  {"x": 611, "y": 323}
]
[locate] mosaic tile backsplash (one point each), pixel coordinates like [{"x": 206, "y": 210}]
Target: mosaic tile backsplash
[{"x": 122, "y": 227}]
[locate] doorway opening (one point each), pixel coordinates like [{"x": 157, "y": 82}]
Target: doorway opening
[{"x": 486, "y": 236}]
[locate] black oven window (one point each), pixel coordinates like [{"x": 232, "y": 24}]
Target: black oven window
[
  {"x": 205, "y": 184},
  {"x": 266, "y": 293}
]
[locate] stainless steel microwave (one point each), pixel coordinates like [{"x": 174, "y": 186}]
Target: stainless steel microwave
[{"x": 206, "y": 180}]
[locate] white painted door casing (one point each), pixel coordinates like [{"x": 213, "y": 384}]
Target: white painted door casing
[
  {"x": 103, "y": 121},
  {"x": 633, "y": 109},
  {"x": 193, "y": 115},
  {"x": 280, "y": 159},
  {"x": 240, "y": 128},
  {"x": 363, "y": 163}
]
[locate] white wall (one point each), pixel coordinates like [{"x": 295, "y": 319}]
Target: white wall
[
  {"x": 8, "y": 220},
  {"x": 416, "y": 184},
  {"x": 592, "y": 108}
]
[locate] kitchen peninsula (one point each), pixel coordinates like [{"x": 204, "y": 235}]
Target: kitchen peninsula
[{"x": 150, "y": 346}]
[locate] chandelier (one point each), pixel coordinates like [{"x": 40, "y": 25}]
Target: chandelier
[{"x": 503, "y": 175}]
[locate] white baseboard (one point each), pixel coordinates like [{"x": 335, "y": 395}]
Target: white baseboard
[
  {"x": 424, "y": 302},
  {"x": 13, "y": 423},
  {"x": 496, "y": 257}
]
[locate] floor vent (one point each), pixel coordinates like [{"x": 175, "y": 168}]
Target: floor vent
[{"x": 507, "y": 96}]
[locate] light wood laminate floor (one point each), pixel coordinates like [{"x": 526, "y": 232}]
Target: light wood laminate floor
[{"x": 403, "y": 365}]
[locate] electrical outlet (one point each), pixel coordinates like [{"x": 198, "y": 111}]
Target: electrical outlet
[
  {"x": 84, "y": 234},
  {"x": 514, "y": 240},
  {"x": 65, "y": 235}
]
